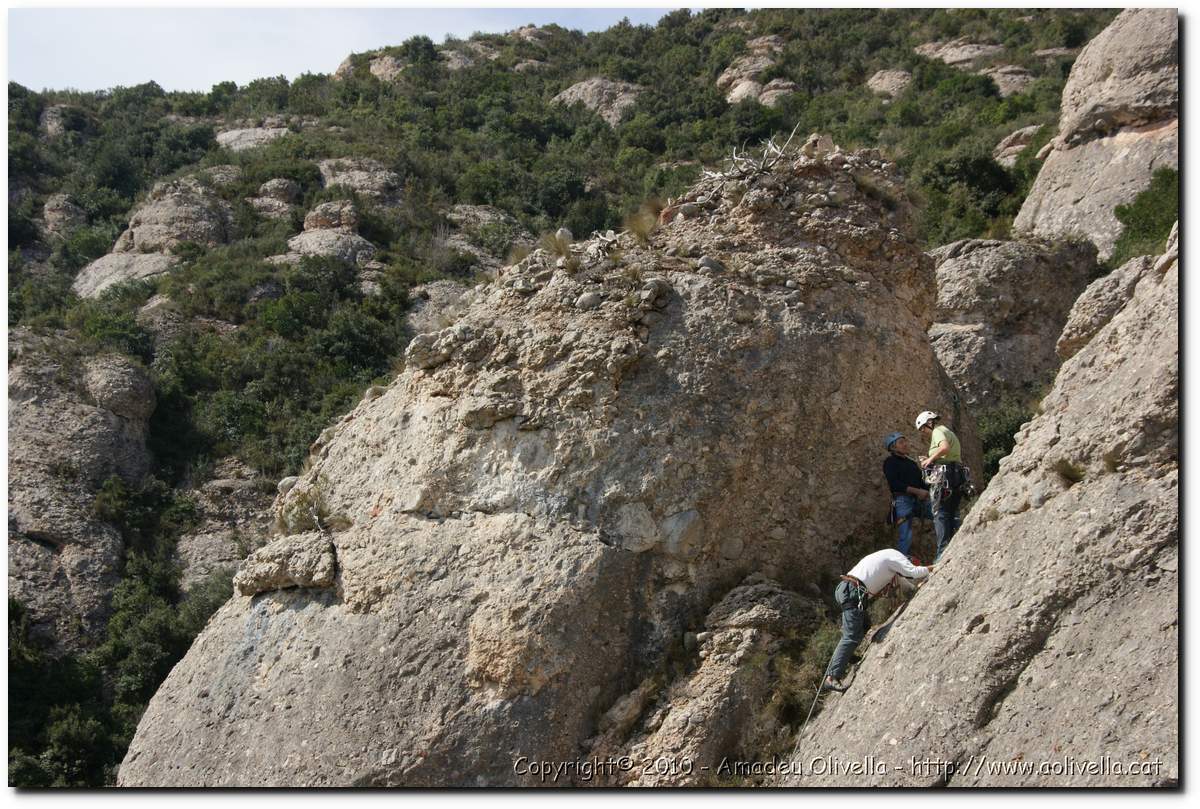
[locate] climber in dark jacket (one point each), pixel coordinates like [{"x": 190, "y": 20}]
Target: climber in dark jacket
[{"x": 910, "y": 492}]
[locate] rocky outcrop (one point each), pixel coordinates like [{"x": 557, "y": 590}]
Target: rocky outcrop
[
  {"x": 72, "y": 422},
  {"x": 53, "y": 120},
  {"x": 607, "y": 98},
  {"x": 338, "y": 214},
  {"x": 1008, "y": 150},
  {"x": 119, "y": 268},
  {"x": 713, "y": 711},
  {"x": 1000, "y": 307},
  {"x": 1106, "y": 296},
  {"x": 740, "y": 79},
  {"x": 386, "y": 68},
  {"x": 61, "y": 216},
  {"x": 1009, "y": 79},
  {"x": 1058, "y": 599},
  {"x": 362, "y": 175},
  {"x": 239, "y": 140},
  {"x": 775, "y": 91},
  {"x": 562, "y": 482},
  {"x": 961, "y": 53},
  {"x": 890, "y": 83},
  {"x": 177, "y": 211},
  {"x": 1119, "y": 124},
  {"x": 232, "y": 519},
  {"x": 329, "y": 232},
  {"x": 276, "y": 198}
]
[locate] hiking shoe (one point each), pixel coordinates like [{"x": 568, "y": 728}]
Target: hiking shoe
[{"x": 831, "y": 684}]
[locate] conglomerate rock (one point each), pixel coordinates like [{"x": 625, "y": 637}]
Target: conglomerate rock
[
  {"x": 604, "y": 444},
  {"x": 72, "y": 422},
  {"x": 1043, "y": 652},
  {"x": 607, "y": 98},
  {"x": 1001, "y": 306},
  {"x": 1119, "y": 124}
]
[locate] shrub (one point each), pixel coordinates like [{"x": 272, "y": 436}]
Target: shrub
[
  {"x": 997, "y": 433},
  {"x": 1147, "y": 221}
]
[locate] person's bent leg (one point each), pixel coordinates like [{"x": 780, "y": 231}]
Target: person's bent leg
[{"x": 853, "y": 629}]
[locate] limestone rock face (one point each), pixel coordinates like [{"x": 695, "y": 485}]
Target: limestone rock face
[
  {"x": 72, "y": 422},
  {"x": 1120, "y": 123},
  {"x": 117, "y": 268},
  {"x": 707, "y": 714},
  {"x": 961, "y": 53},
  {"x": 607, "y": 98},
  {"x": 1000, "y": 308},
  {"x": 1057, "y": 599},
  {"x": 239, "y": 140},
  {"x": 523, "y": 523},
  {"x": 275, "y": 198},
  {"x": 62, "y": 216},
  {"x": 177, "y": 211},
  {"x": 363, "y": 175},
  {"x": 1010, "y": 79},
  {"x": 1105, "y": 297},
  {"x": 775, "y": 91},
  {"x": 1008, "y": 150},
  {"x": 1127, "y": 76},
  {"x": 889, "y": 82}
]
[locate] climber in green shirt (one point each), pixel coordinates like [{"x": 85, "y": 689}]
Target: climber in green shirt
[{"x": 945, "y": 452}]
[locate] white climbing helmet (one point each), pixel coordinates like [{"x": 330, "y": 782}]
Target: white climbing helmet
[{"x": 925, "y": 417}]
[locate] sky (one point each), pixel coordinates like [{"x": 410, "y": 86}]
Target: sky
[{"x": 193, "y": 49}]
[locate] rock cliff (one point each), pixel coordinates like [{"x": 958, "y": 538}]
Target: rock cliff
[
  {"x": 1119, "y": 123},
  {"x": 1044, "y": 650},
  {"x": 72, "y": 422},
  {"x": 487, "y": 556}
]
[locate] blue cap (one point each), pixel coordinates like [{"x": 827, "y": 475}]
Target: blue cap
[{"x": 891, "y": 438}]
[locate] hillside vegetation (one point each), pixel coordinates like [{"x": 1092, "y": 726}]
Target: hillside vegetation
[{"x": 485, "y": 134}]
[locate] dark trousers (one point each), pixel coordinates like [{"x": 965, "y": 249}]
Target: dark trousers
[
  {"x": 946, "y": 522},
  {"x": 854, "y": 627}
]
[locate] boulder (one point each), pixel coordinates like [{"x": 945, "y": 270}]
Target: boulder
[
  {"x": 364, "y": 176},
  {"x": 72, "y": 422},
  {"x": 338, "y": 215},
  {"x": 1023, "y": 661},
  {"x": 1008, "y": 150},
  {"x": 1001, "y": 306},
  {"x": 1127, "y": 76},
  {"x": 239, "y": 140},
  {"x": 1119, "y": 124},
  {"x": 527, "y": 519},
  {"x": 1010, "y": 79},
  {"x": 961, "y": 53},
  {"x": 118, "y": 268},
  {"x": 607, "y": 98},
  {"x": 53, "y": 120},
  {"x": 275, "y": 198},
  {"x": 890, "y": 83},
  {"x": 177, "y": 211},
  {"x": 331, "y": 243}
]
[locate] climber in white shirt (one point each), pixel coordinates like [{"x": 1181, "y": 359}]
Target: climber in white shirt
[{"x": 872, "y": 576}]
